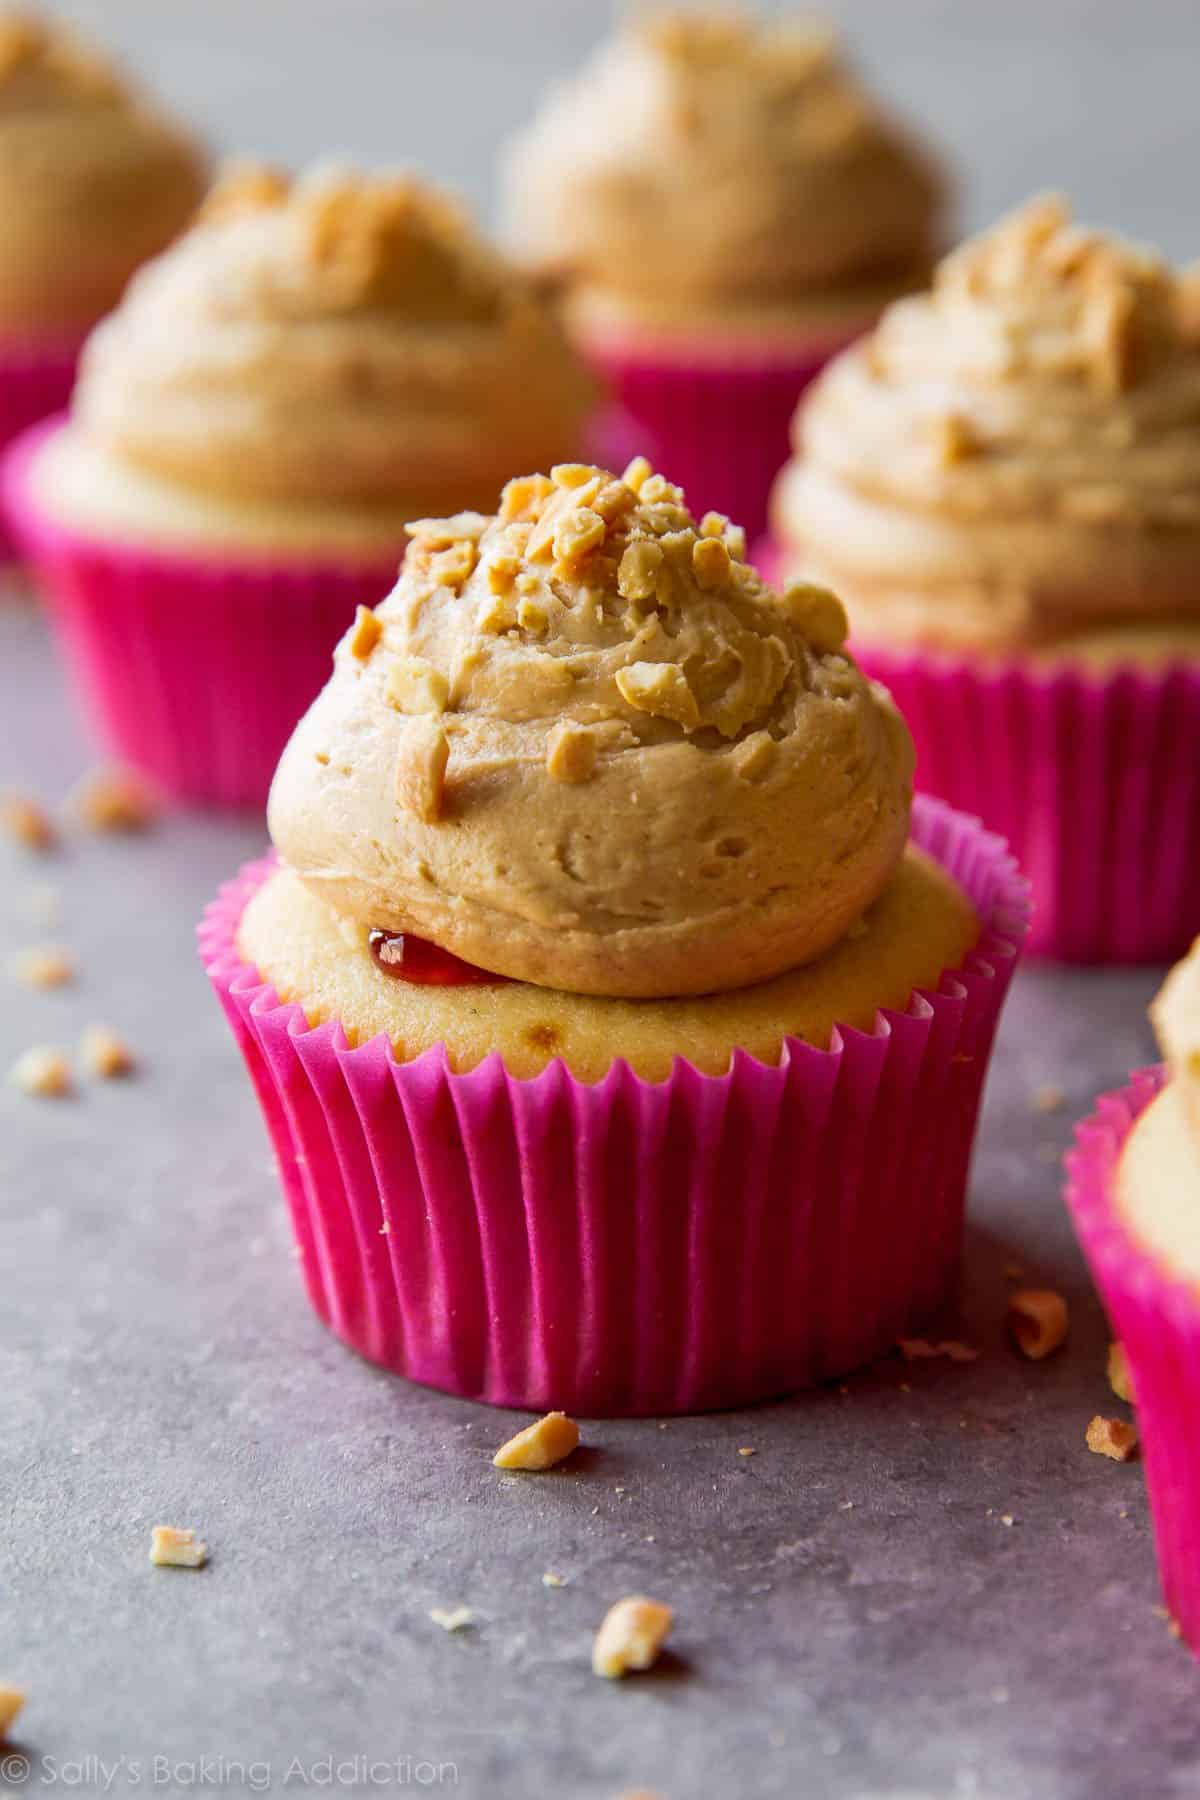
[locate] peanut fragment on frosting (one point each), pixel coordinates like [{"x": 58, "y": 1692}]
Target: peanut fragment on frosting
[
  {"x": 540, "y": 1445},
  {"x": 365, "y": 633},
  {"x": 421, "y": 769},
  {"x": 571, "y": 752},
  {"x": 631, "y": 1636}
]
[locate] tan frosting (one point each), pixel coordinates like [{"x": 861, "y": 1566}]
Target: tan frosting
[
  {"x": 1176, "y": 1017},
  {"x": 711, "y": 161},
  {"x": 583, "y": 745},
  {"x": 1012, "y": 457},
  {"x": 93, "y": 180},
  {"x": 338, "y": 338}
]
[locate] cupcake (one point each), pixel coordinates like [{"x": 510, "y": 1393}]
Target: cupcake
[
  {"x": 725, "y": 205},
  {"x": 1003, "y": 481},
  {"x": 313, "y": 366},
  {"x": 619, "y": 1033},
  {"x": 1134, "y": 1191},
  {"x": 93, "y": 180}
]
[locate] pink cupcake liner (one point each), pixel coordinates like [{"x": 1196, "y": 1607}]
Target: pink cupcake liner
[
  {"x": 625, "y": 1246},
  {"x": 717, "y": 423},
  {"x": 193, "y": 669},
  {"x": 1094, "y": 779},
  {"x": 35, "y": 381},
  {"x": 1157, "y": 1319}
]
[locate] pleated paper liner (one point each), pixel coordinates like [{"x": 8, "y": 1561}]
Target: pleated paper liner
[
  {"x": 630, "y": 1247},
  {"x": 191, "y": 668},
  {"x": 1157, "y": 1320}
]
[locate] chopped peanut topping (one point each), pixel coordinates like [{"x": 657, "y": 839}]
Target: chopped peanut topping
[
  {"x": 660, "y": 689},
  {"x": 710, "y": 560},
  {"x": 415, "y": 686},
  {"x": 819, "y": 614},
  {"x": 571, "y": 752},
  {"x": 523, "y": 498},
  {"x": 421, "y": 769},
  {"x": 1112, "y": 1437},
  {"x": 365, "y": 633},
  {"x": 631, "y": 1636},
  {"x": 638, "y": 569},
  {"x": 45, "y": 967},
  {"x": 954, "y": 438},
  {"x": 42, "y": 1072},
  {"x": 11, "y": 1702},
  {"x": 104, "y": 1054},
  {"x": 753, "y": 758},
  {"x": 27, "y": 823},
  {"x": 112, "y": 800},
  {"x": 572, "y": 475},
  {"x": 581, "y": 532},
  {"x": 172, "y": 1548},
  {"x": 540, "y": 1445},
  {"x": 452, "y": 1618},
  {"x": 1037, "y": 1319},
  {"x": 636, "y": 474},
  {"x": 1120, "y": 1375}
]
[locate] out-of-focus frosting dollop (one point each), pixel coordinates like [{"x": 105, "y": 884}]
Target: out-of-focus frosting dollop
[
  {"x": 93, "y": 180},
  {"x": 583, "y": 745},
  {"x": 1176, "y": 1017},
  {"x": 706, "y": 160},
  {"x": 337, "y": 337},
  {"x": 1014, "y": 456}
]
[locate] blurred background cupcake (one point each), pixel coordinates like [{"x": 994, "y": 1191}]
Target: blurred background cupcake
[
  {"x": 1134, "y": 1191},
  {"x": 317, "y": 363},
  {"x": 93, "y": 180},
  {"x": 600, "y": 904},
  {"x": 1003, "y": 481},
  {"x": 723, "y": 205}
]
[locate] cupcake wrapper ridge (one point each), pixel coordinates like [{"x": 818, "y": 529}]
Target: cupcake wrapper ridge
[
  {"x": 1157, "y": 1319},
  {"x": 193, "y": 669},
  {"x": 624, "y": 1246}
]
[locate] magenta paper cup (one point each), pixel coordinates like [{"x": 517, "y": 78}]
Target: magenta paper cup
[
  {"x": 1093, "y": 778},
  {"x": 35, "y": 381},
  {"x": 192, "y": 669},
  {"x": 715, "y": 420},
  {"x": 1157, "y": 1320},
  {"x": 625, "y": 1246}
]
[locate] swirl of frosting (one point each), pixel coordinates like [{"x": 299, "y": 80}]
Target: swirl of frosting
[
  {"x": 708, "y": 160},
  {"x": 340, "y": 337},
  {"x": 581, "y": 744},
  {"x": 1013, "y": 457},
  {"x": 1176, "y": 1017},
  {"x": 93, "y": 180}
]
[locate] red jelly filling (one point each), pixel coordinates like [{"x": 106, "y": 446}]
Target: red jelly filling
[{"x": 415, "y": 959}]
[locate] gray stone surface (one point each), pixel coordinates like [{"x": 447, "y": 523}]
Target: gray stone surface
[{"x": 855, "y": 1618}]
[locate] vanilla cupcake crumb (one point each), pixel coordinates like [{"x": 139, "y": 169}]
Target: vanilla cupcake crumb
[
  {"x": 630, "y": 1637},
  {"x": 172, "y": 1547},
  {"x": 1111, "y": 1437},
  {"x": 541, "y": 1445},
  {"x": 43, "y": 1072},
  {"x": 1037, "y": 1321}
]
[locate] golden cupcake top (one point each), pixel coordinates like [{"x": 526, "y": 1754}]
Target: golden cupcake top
[
  {"x": 583, "y": 745},
  {"x": 93, "y": 179},
  {"x": 1014, "y": 455},
  {"x": 708, "y": 161},
  {"x": 339, "y": 337}
]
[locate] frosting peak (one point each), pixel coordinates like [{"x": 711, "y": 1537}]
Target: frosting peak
[
  {"x": 582, "y": 744},
  {"x": 45, "y": 66}
]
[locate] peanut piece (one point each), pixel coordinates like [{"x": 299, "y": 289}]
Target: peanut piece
[
  {"x": 632, "y": 1634},
  {"x": 173, "y": 1548},
  {"x": 1037, "y": 1320},
  {"x": 27, "y": 823},
  {"x": 421, "y": 769},
  {"x": 415, "y": 686},
  {"x": 571, "y": 752},
  {"x": 660, "y": 689},
  {"x": 11, "y": 1701},
  {"x": 1111, "y": 1437},
  {"x": 540, "y": 1445},
  {"x": 365, "y": 633},
  {"x": 104, "y": 1054},
  {"x": 45, "y": 967},
  {"x": 42, "y": 1072},
  {"x": 111, "y": 800},
  {"x": 818, "y": 614},
  {"x": 1120, "y": 1375}
]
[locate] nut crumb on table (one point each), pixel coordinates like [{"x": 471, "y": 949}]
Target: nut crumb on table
[
  {"x": 1037, "y": 1320},
  {"x": 552, "y": 1580},
  {"x": 922, "y": 1350},
  {"x": 42, "y": 1071},
  {"x": 113, "y": 800},
  {"x": 1049, "y": 1098},
  {"x": 630, "y": 1637},
  {"x": 12, "y": 1699},
  {"x": 175, "y": 1548},
  {"x": 546, "y": 1442},
  {"x": 104, "y": 1054},
  {"x": 1115, "y": 1438},
  {"x": 27, "y": 822},
  {"x": 1120, "y": 1376},
  {"x": 44, "y": 966},
  {"x": 454, "y": 1618}
]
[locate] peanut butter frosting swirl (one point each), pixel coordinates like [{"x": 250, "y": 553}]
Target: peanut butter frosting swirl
[
  {"x": 583, "y": 745},
  {"x": 335, "y": 337},
  {"x": 93, "y": 180},
  {"x": 1176, "y": 1017},
  {"x": 708, "y": 160},
  {"x": 1013, "y": 457}
]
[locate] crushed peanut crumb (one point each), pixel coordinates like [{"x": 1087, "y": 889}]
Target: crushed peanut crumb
[
  {"x": 365, "y": 633},
  {"x": 922, "y": 1350},
  {"x": 631, "y": 1636},
  {"x": 44, "y": 967},
  {"x": 637, "y": 473},
  {"x": 1037, "y": 1320},
  {"x": 421, "y": 769},
  {"x": 552, "y": 1580},
  {"x": 42, "y": 1071},
  {"x": 540, "y": 1445},
  {"x": 1120, "y": 1376},
  {"x": 415, "y": 686},
  {"x": 104, "y": 1054},
  {"x": 26, "y": 822},
  {"x": 1114, "y": 1438},
  {"x": 113, "y": 800},
  {"x": 172, "y": 1547},
  {"x": 1049, "y": 1098},
  {"x": 12, "y": 1700},
  {"x": 454, "y": 1618},
  {"x": 571, "y": 752},
  {"x": 746, "y": 1450},
  {"x": 818, "y": 613}
]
